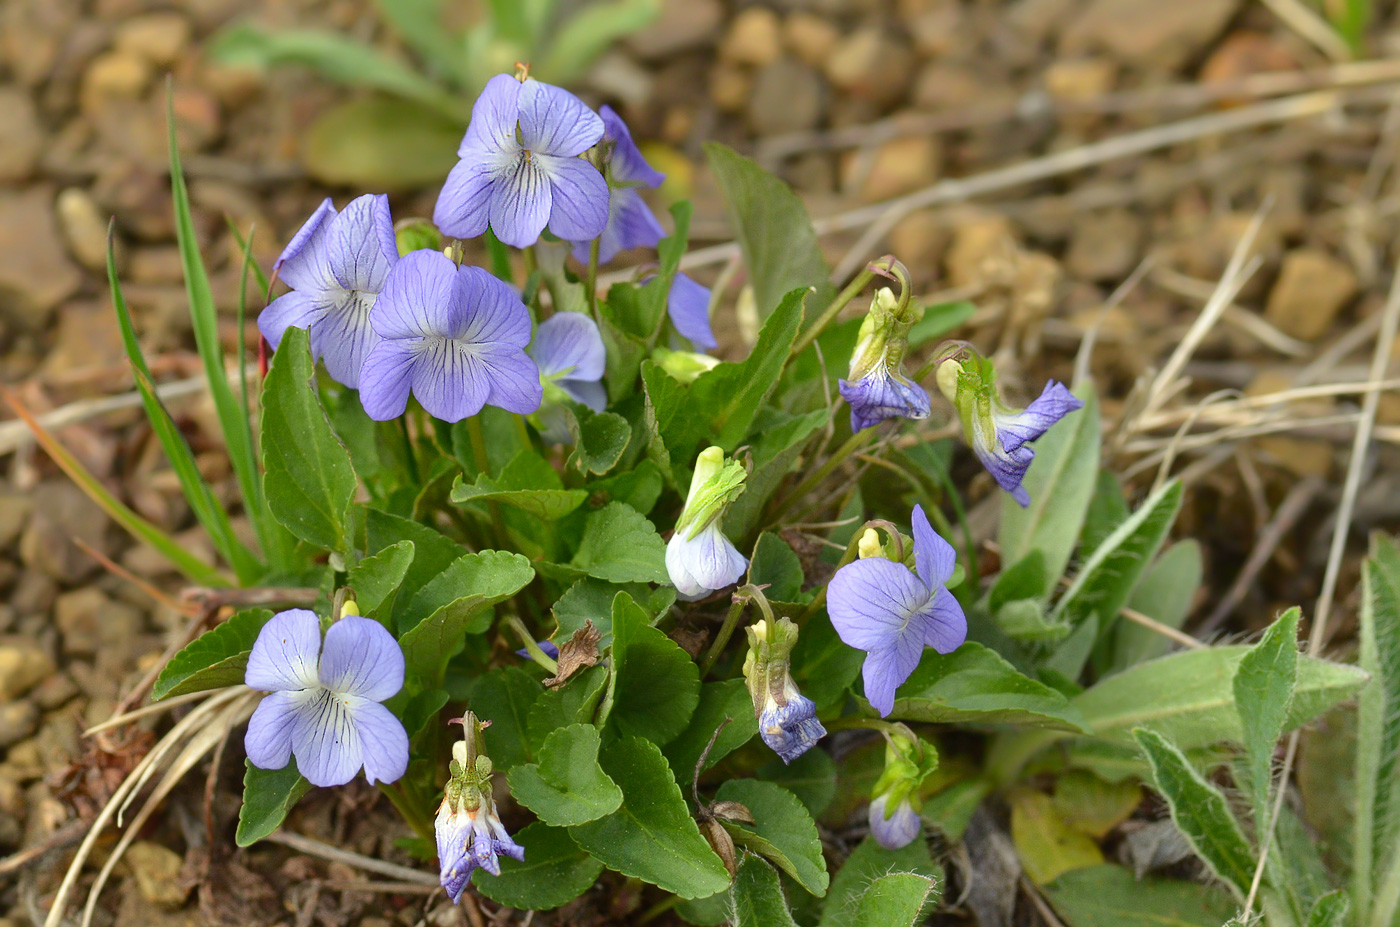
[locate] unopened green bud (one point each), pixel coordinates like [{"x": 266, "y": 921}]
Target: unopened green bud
[
  {"x": 417, "y": 234},
  {"x": 685, "y": 366},
  {"x": 716, "y": 483}
]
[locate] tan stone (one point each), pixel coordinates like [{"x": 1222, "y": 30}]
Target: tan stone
[
  {"x": 22, "y": 665},
  {"x": 84, "y": 228},
  {"x": 810, "y": 37},
  {"x": 1312, "y": 287},
  {"x": 22, "y": 138},
  {"x": 754, "y": 37},
  {"x": 35, "y": 274},
  {"x": 898, "y": 166},
  {"x": 730, "y": 87},
  {"x": 114, "y": 76},
  {"x": 157, "y": 37},
  {"x": 871, "y": 65},
  {"x": 1298, "y": 456},
  {"x": 157, "y": 872},
  {"x": 1078, "y": 80}
]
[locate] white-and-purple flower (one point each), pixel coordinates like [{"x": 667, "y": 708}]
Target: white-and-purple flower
[
  {"x": 699, "y": 558},
  {"x": 569, "y": 352},
  {"x": 894, "y": 828},
  {"x": 336, "y": 265},
  {"x": 470, "y": 839},
  {"x": 883, "y": 608},
  {"x": 1003, "y": 448},
  {"x": 881, "y": 395},
  {"x": 454, "y": 337},
  {"x": 520, "y": 168},
  {"x": 876, "y": 387},
  {"x": 631, "y": 223},
  {"x": 324, "y": 702}
]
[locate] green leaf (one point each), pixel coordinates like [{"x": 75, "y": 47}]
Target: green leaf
[
  {"x": 973, "y": 685},
  {"x": 940, "y": 319},
  {"x": 655, "y": 685},
  {"x": 589, "y": 33},
  {"x": 894, "y": 900},
  {"x": 869, "y": 862},
  {"x": 1189, "y": 697},
  {"x": 374, "y": 580},
  {"x": 420, "y": 24},
  {"x": 1060, "y": 482},
  {"x": 1093, "y": 805},
  {"x": 811, "y": 777},
  {"x": 453, "y": 601},
  {"x": 1200, "y": 811},
  {"x": 1375, "y": 843},
  {"x": 555, "y": 871},
  {"x": 591, "y": 599},
  {"x": 308, "y": 478},
  {"x": 1109, "y": 896},
  {"x": 951, "y": 810},
  {"x": 1263, "y": 688},
  {"x": 1165, "y": 594},
  {"x": 1047, "y": 845},
  {"x": 527, "y": 483},
  {"x": 504, "y": 697},
  {"x": 776, "y": 566},
  {"x": 774, "y": 231},
  {"x": 380, "y": 143},
  {"x": 574, "y": 703},
  {"x": 204, "y": 320},
  {"x": 567, "y": 786},
  {"x": 757, "y": 896},
  {"x": 432, "y": 552},
  {"x": 778, "y": 441},
  {"x": 1330, "y": 910},
  {"x": 652, "y": 836},
  {"x": 784, "y": 829},
  {"x": 718, "y": 701},
  {"x": 621, "y": 546},
  {"x": 823, "y": 665},
  {"x": 268, "y": 794},
  {"x": 215, "y": 659},
  {"x": 705, "y": 912},
  {"x": 340, "y": 59},
  {"x": 599, "y": 439},
  {"x": 1107, "y": 578}
]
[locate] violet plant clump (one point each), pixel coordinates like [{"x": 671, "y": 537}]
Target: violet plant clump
[{"x": 519, "y": 456}]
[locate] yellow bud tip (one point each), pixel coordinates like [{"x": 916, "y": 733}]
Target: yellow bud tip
[
  {"x": 760, "y": 630},
  {"x": 870, "y": 544},
  {"x": 947, "y": 379},
  {"x": 349, "y": 608}
]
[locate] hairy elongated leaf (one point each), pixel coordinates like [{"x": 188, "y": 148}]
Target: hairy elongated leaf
[
  {"x": 868, "y": 862},
  {"x": 1165, "y": 594},
  {"x": 1060, "y": 482},
  {"x": 1330, "y": 910},
  {"x": 774, "y": 231},
  {"x": 785, "y": 831},
  {"x": 309, "y": 481},
  {"x": 1189, "y": 697},
  {"x": 1200, "y": 811},
  {"x": 589, "y": 32},
  {"x": 757, "y": 896},
  {"x": 555, "y": 871},
  {"x": 268, "y": 794},
  {"x": 652, "y": 835},
  {"x": 1110, "y": 896},
  {"x": 1263, "y": 687},
  {"x": 567, "y": 786},
  {"x": 894, "y": 900},
  {"x": 380, "y": 143},
  {"x": 453, "y": 601},
  {"x": 215, "y": 659}
]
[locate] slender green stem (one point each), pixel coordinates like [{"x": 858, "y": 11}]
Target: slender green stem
[
  {"x": 414, "y": 815},
  {"x": 590, "y": 282},
  {"x": 832, "y": 310},
  {"x": 532, "y": 647},
  {"x": 974, "y": 574},
  {"x": 658, "y": 909},
  {"x": 528, "y": 256},
  {"x": 854, "y": 443},
  {"x": 726, "y": 631},
  {"x": 483, "y": 466},
  {"x": 408, "y": 451}
]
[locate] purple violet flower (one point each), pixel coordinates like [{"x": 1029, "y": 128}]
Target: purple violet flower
[
  {"x": 1004, "y": 451},
  {"x": 877, "y": 388},
  {"x": 520, "y": 168},
  {"x": 631, "y": 223},
  {"x": 324, "y": 707},
  {"x": 881, "y": 395},
  {"x": 883, "y": 608},
  {"x": 469, "y": 839},
  {"x": 688, "y": 305},
  {"x": 570, "y": 354},
  {"x": 895, "y": 828},
  {"x": 453, "y": 336},
  {"x": 336, "y": 265},
  {"x": 550, "y": 649}
]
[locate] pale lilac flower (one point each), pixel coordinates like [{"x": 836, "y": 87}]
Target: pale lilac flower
[
  {"x": 1003, "y": 448},
  {"x": 550, "y": 649},
  {"x": 791, "y": 730},
  {"x": 876, "y": 387},
  {"x": 336, "y": 265},
  {"x": 324, "y": 707},
  {"x": 469, "y": 839},
  {"x": 699, "y": 558},
  {"x": 631, "y": 223},
  {"x": 569, "y": 352},
  {"x": 879, "y": 606},
  {"x": 787, "y": 719},
  {"x": 881, "y": 395},
  {"x": 453, "y": 336},
  {"x": 689, "y": 308},
  {"x": 895, "y": 828},
  {"x": 520, "y": 168}
]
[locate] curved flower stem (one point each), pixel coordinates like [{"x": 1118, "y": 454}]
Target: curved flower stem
[
  {"x": 408, "y": 450},
  {"x": 413, "y": 815},
  {"x": 527, "y": 255},
  {"x": 726, "y": 631},
  {"x": 590, "y": 282},
  {"x": 532, "y": 647},
  {"x": 873, "y": 724},
  {"x": 854, "y": 443},
  {"x": 483, "y": 465},
  {"x": 832, "y": 310},
  {"x": 974, "y": 576}
]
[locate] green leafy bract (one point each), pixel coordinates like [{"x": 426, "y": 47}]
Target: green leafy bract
[
  {"x": 215, "y": 659},
  {"x": 567, "y": 786}
]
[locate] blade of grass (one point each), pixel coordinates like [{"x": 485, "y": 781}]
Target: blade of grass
[
  {"x": 238, "y": 433},
  {"x": 246, "y": 246},
  {"x": 177, "y": 450},
  {"x": 195, "y": 570}
]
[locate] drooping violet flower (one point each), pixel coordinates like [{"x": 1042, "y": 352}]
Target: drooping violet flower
[
  {"x": 688, "y": 305},
  {"x": 453, "y": 336},
  {"x": 469, "y": 833},
  {"x": 336, "y": 265},
  {"x": 324, "y": 707},
  {"x": 520, "y": 168},
  {"x": 883, "y": 608},
  {"x": 895, "y": 827},
  {"x": 631, "y": 223},
  {"x": 877, "y": 388},
  {"x": 787, "y": 719},
  {"x": 699, "y": 558},
  {"x": 1000, "y": 435},
  {"x": 550, "y": 649},
  {"x": 569, "y": 352}
]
